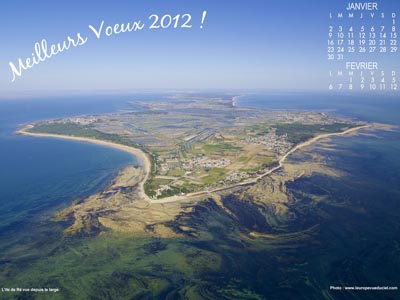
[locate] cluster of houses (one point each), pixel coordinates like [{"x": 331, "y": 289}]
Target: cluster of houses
[
  {"x": 205, "y": 162},
  {"x": 272, "y": 142}
]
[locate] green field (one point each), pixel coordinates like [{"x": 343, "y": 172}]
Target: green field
[
  {"x": 214, "y": 175},
  {"x": 298, "y": 133},
  {"x": 216, "y": 148}
]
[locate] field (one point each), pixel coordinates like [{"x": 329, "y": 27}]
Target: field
[{"x": 202, "y": 143}]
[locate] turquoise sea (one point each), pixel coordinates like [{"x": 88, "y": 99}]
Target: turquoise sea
[
  {"x": 357, "y": 223},
  {"x": 39, "y": 176}
]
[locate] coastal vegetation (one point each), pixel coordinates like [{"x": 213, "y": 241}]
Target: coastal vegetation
[
  {"x": 205, "y": 149},
  {"x": 298, "y": 133},
  {"x": 130, "y": 247}
]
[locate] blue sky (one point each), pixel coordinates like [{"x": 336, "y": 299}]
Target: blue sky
[{"x": 244, "y": 44}]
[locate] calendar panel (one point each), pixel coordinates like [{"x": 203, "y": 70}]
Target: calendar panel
[{"x": 363, "y": 47}]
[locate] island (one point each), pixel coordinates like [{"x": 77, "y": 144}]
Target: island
[{"x": 189, "y": 148}]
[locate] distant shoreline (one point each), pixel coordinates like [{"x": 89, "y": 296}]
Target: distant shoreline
[{"x": 144, "y": 161}]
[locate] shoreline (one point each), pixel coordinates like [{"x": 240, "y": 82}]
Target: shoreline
[
  {"x": 269, "y": 172},
  {"x": 283, "y": 158},
  {"x": 141, "y": 157},
  {"x": 145, "y": 164}
]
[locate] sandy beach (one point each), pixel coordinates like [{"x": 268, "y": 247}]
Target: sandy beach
[
  {"x": 140, "y": 156},
  {"x": 144, "y": 161}
]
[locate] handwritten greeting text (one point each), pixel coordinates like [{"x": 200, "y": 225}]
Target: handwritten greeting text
[{"x": 44, "y": 51}]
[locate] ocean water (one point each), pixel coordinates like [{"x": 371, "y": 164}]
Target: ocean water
[
  {"x": 368, "y": 107},
  {"x": 355, "y": 218},
  {"x": 358, "y": 220},
  {"x": 38, "y": 176}
]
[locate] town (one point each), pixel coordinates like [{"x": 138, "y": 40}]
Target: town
[{"x": 199, "y": 142}]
